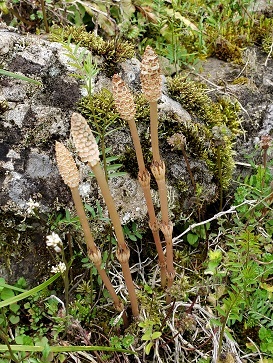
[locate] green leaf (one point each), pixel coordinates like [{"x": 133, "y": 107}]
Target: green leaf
[
  {"x": 90, "y": 209},
  {"x": 215, "y": 322},
  {"x": 14, "y": 308},
  {"x": 146, "y": 336},
  {"x": 128, "y": 340},
  {"x": 132, "y": 237},
  {"x": 113, "y": 167},
  {"x": 46, "y": 351},
  {"x": 6, "y": 293},
  {"x": 23, "y": 340},
  {"x": 148, "y": 289},
  {"x": 111, "y": 158},
  {"x": 14, "y": 319},
  {"x": 142, "y": 324},
  {"x": 148, "y": 348},
  {"x": 156, "y": 335},
  {"x": 221, "y": 311},
  {"x": 28, "y": 293},
  {"x": 19, "y": 76},
  {"x": 192, "y": 238},
  {"x": 2, "y": 281},
  {"x": 61, "y": 349},
  {"x": 230, "y": 337},
  {"x": 117, "y": 174}
]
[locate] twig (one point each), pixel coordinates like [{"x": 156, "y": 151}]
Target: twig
[
  {"x": 258, "y": 350},
  {"x": 269, "y": 54},
  {"x": 216, "y": 216}
]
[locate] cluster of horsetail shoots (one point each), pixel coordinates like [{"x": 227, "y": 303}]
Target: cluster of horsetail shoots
[
  {"x": 125, "y": 105},
  {"x": 151, "y": 83},
  {"x": 70, "y": 176},
  {"x": 87, "y": 149}
]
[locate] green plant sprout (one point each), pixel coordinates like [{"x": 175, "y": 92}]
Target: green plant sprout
[
  {"x": 149, "y": 334},
  {"x": 10, "y": 316},
  {"x": 122, "y": 342},
  {"x": 81, "y": 60},
  {"x": 132, "y": 232}
]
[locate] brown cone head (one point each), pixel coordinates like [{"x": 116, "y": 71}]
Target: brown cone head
[
  {"x": 66, "y": 165},
  {"x": 84, "y": 140},
  {"x": 150, "y": 75},
  {"x": 123, "y": 99}
]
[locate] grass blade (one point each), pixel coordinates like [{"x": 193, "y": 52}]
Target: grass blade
[{"x": 19, "y": 76}]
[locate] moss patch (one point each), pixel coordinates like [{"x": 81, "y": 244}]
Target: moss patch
[
  {"x": 207, "y": 114},
  {"x": 113, "y": 51}
]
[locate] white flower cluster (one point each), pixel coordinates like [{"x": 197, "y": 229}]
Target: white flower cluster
[
  {"x": 31, "y": 206},
  {"x": 58, "y": 268},
  {"x": 54, "y": 241}
]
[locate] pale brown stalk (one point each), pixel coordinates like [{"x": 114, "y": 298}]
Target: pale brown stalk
[
  {"x": 88, "y": 150},
  {"x": 70, "y": 175},
  {"x": 123, "y": 252},
  {"x": 93, "y": 251},
  {"x": 154, "y": 131},
  {"x": 125, "y": 106},
  {"x": 150, "y": 76},
  {"x": 158, "y": 170}
]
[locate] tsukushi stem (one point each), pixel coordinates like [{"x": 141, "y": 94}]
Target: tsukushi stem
[
  {"x": 154, "y": 131},
  {"x": 158, "y": 170},
  {"x": 93, "y": 251},
  {"x": 144, "y": 180},
  {"x": 70, "y": 175},
  {"x": 137, "y": 146},
  {"x": 150, "y": 76},
  {"x": 88, "y": 150},
  {"x": 99, "y": 174},
  {"x": 125, "y": 106},
  {"x": 123, "y": 252}
]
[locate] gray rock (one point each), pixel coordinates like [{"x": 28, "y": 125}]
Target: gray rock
[{"x": 37, "y": 116}]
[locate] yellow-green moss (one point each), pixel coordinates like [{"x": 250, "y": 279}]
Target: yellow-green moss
[
  {"x": 227, "y": 50},
  {"x": 113, "y": 51},
  {"x": 267, "y": 44},
  {"x": 3, "y": 106},
  {"x": 142, "y": 108},
  {"x": 207, "y": 114},
  {"x": 262, "y": 29},
  {"x": 99, "y": 110},
  {"x": 241, "y": 80}
]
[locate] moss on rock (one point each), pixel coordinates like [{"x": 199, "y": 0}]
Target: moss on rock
[
  {"x": 113, "y": 51},
  {"x": 206, "y": 114}
]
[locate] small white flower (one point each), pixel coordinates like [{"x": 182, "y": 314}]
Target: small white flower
[
  {"x": 54, "y": 241},
  {"x": 58, "y": 268},
  {"x": 31, "y": 206},
  {"x": 126, "y": 218}
]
